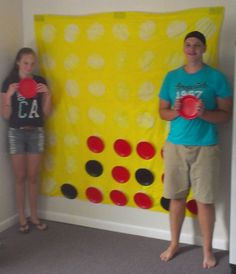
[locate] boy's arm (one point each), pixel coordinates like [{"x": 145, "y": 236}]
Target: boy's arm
[{"x": 166, "y": 112}]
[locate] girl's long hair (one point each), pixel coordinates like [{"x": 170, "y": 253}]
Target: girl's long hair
[{"x": 14, "y": 72}]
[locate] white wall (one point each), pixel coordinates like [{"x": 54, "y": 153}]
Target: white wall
[
  {"x": 232, "y": 257},
  {"x": 133, "y": 220},
  {"x": 11, "y": 35}
]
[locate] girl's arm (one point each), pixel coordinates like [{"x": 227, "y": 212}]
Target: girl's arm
[
  {"x": 6, "y": 107},
  {"x": 46, "y": 103}
]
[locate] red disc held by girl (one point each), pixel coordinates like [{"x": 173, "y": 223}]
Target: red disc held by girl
[
  {"x": 188, "y": 107},
  {"x": 28, "y": 87}
]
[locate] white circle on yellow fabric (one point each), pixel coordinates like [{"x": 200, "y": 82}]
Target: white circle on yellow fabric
[
  {"x": 121, "y": 60},
  {"x": 96, "y": 115},
  {"x": 176, "y": 28},
  {"x": 48, "y": 62},
  {"x": 48, "y": 33},
  {"x": 121, "y": 31},
  {"x": 206, "y": 26},
  {"x": 174, "y": 60},
  {"x": 72, "y": 115},
  {"x": 71, "y": 165},
  {"x": 71, "y": 33},
  {"x": 71, "y": 140},
  {"x": 49, "y": 185},
  {"x": 97, "y": 88},
  {"x": 145, "y": 120},
  {"x": 95, "y": 31},
  {"x": 72, "y": 88},
  {"x": 123, "y": 90},
  {"x": 147, "y": 30},
  {"x": 121, "y": 119},
  {"x": 147, "y": 60},
  {"x": 95, "y": 61},
  {"x": 71, "y": 62},
  {"x": 146, "y": 91}
]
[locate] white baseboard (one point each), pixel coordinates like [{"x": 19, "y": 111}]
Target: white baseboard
[
  {"x": 8, "y": 223},
  {"x": 116, "y": 227},
  {"x": 126, "y": 228}
]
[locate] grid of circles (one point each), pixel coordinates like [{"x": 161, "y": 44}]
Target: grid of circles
[
  {"x": 92, "y": 58},
  {"x": 122, "y": 175}
]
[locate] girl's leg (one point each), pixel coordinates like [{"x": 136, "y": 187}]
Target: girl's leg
[
  {"x": 33, "y": 165},
  {"x": 19, "y": 167}
]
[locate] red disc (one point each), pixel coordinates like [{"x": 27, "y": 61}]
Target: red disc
[
  {"x": 120, "y": 174},
  {"x": 28, "y": 87},
  {"x": 122, "y": 147},
  {"x": 143, "y": 200},
  {"x": 145, "y": 150},
  {"x": 192, "y": 206},
  {"x": 94, "y": 195},
  {"x": 118, "y": 197},
  {"x": 188, "y": 106},
  {"x": 95, "y": 144}
]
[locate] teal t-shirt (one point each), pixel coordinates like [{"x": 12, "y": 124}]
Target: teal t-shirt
[{"x": 206, "y": 84}]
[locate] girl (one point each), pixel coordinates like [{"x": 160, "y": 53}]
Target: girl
[{"x": 25, "y": 134}]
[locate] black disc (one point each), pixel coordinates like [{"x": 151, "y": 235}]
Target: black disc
[
  {"x": 69, "y": 191},
  {"x": 144, "y": 176},
  {"x": 94, "y": 168},
  {"x": 165, "y": 203}
]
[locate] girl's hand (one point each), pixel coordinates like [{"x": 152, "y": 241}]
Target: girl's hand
[
  {"x": 12, "y": 89},
  {"x": 42, "y": 88}
]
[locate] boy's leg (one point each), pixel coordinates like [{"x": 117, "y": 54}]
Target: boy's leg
[
  {"x": 205, "y": 178},
  {"x": 177, "y": 214},
  {"x": 206, "y": 218}
]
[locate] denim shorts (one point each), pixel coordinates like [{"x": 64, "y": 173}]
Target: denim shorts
[{"x": 26, "y": 140}]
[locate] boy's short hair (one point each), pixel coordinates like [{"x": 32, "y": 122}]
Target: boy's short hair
[{"x": 196, "y": 34}]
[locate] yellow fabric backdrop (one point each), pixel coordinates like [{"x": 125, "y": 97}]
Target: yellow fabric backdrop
[{"x": 105, "y": 72}]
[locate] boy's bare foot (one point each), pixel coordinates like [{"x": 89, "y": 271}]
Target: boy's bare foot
[
  {"x": 169, "y": 253},
  {"x": 209, "y": 260}
]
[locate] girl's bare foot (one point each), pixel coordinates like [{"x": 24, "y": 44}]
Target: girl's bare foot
[
  {"x": 169, "y": 253},
  {"x": 209, "y": 260}
]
